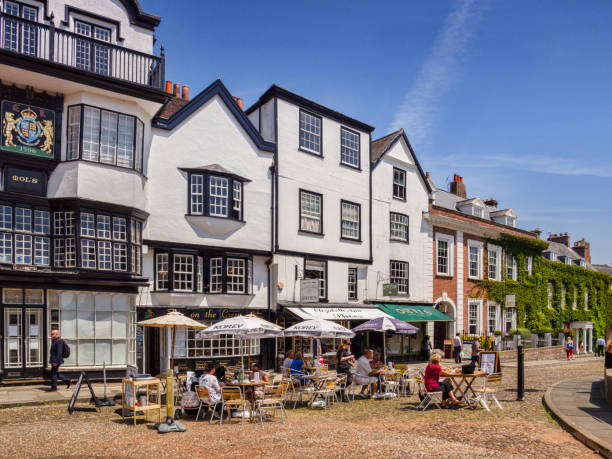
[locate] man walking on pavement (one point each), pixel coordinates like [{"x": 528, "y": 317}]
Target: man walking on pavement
[
  {"x": 601, "y": 343},
  {"x": 457, "y": 348},
  {"x": 56, "y": 359}
]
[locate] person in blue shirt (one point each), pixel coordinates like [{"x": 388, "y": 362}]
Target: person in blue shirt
[{"x": 298, "y": 367}]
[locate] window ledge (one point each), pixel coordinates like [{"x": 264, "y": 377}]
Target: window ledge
[
  {"x": 399, "y": 240},
  {"x": 350, "y": 166},
  {"x": 448, "y": 276},
  {"x": 348, "y": 239},
  {"x": 311, "y": 233},
  {"x": 310, "y": 152},
  {"x": 215, "y": 226}
]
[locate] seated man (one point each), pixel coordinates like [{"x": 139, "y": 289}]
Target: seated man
[{"x": 364, "y": 374}]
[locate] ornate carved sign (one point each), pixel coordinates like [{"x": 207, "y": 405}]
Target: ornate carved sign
[{"x": 28, "y": 129}]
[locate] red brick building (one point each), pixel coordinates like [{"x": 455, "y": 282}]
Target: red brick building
[{"x": 462, "y": 256}]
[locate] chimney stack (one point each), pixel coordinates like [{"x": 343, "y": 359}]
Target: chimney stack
[
  {"x": 491, "y": 202},
  {"x": 561, "y": 238},
  {"x": 458, "y": 187},
  {"x": 168, "y": 87},
  {"x": 538, "y": 232},
  {"x": 583, "y": 248},
  {"x": 239, "y": 102},
  {"x": 427, "y": 175},
  {"x": 177, "y": 90},
  {"x": 185, "y": 94}
]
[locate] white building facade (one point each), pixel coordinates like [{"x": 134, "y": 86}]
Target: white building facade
[{"x": 79, "y": 88}]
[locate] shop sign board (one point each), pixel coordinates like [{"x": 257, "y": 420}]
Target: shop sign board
[
  {"x": 309, "y": 290},
  {"x": 27, "y": 129},
  {"x": 199, "y": 314},
  {"x": 510, "y": 301},
  {"x": 25, "y": 181},
  {"x": 389, "y": 289}
]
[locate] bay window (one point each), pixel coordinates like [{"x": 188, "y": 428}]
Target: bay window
[
  {"x": 215, "y": 196},
  {"x": 105, "y": 136}
]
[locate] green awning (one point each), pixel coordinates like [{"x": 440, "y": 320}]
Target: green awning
[{"x": 414, "y": 312}]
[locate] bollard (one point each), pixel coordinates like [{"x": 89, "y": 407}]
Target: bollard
[{"x": 520, "y": 372}]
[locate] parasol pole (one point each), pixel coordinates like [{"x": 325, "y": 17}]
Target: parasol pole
[
  {"x": 172, "y": 352},
  {"x": 384, "y": 347}
]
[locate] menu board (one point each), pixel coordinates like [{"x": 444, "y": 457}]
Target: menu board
[{"x": 489, "y": 362}]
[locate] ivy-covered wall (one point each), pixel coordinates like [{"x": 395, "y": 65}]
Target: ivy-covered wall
[{"x": 532, "y": 291}]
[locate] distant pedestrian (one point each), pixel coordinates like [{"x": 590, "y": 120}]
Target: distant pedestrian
[
  {"x": 601, "y": 345},
  {"x": 426, "y": 348},
  {"x": 569, "y": 348},
  {"x": 457, "y": 348},
  {"x": 56, "y": 359},
  {"x": 476, "y": 351}
]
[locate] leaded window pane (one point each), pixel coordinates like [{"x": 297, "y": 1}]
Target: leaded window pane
[
  {"x": 108, "y": 138},
  {"x": 125, "y": 147},
  {"x": 23, "y": 219},
  {"x": 235, "y": 275},
  {"x": 91, "y": 133},
  {"x": 216, "y": 275}
]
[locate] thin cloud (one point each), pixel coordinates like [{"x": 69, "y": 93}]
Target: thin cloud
[
  {"x": 555, "y": 165},
  {"x": 438, "y": 73}
]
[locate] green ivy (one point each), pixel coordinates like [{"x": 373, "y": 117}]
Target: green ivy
[{"x": 531, "y": 291}]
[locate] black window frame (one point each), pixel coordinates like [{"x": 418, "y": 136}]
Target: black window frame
[
  {"x": 343, "y": 163},
  {"x": 31, "y": 233},
  {"x": 322, "y": 299},
  {"x": 201, "y": 260},
  {"x": 206, "y": 195},
  {"x": 407, "y": 266},
  {"x": 396, "y": 239},
  {"x": 300, "y": 229},
  {"x": 79, "y": 154},
  {"x": 358, "y": 239},
  {"x": 351, "y": 296},
  {"x": 20, "y": 27},
  {"x": 318, "y": 154},
  {"x": 403, "y": 172}
]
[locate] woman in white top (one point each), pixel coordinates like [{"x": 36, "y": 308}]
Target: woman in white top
[
  {"x": 209, "y": 381},
  {"x": 287, "y": 362},
  {"x": 364, "y": 374}
]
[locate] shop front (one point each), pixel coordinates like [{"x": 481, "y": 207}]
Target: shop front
[
  {"x": 153, "y": 345},
  {"x": 402, "y": 348},
  {"x": 99, "y": 327},
  {"x": 347, "y": 315}
]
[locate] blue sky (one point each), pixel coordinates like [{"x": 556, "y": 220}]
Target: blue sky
[{"x": 513, "y": 96}]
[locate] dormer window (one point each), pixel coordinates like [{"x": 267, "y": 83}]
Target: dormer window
[
  {"x": 214, "y": 195},
  {"x": 550, "y": 256}
]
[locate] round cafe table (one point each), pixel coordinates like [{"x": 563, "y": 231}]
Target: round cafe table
[
  {"x": 243, "y": 386},
  {"x": 462, "y": 383}
]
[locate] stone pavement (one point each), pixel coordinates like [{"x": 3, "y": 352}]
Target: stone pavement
[
  {"x": 37, "y": 394},
  {"x": 580, "y": 407},
  {"x": 556, "y": 362}
]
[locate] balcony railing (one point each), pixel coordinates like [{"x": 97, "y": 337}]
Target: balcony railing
[{"x": 87, "y": 54}]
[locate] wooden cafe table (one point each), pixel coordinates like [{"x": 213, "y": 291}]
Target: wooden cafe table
[
  {"x": 243, "y": 386},
  {"x": 463, "y": 382}
]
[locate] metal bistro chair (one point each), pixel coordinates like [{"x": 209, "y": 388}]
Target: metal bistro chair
[
  {"x": 231, "y": 397},
  {"x": 302, "y": 393},
  {"x": 328, "y": 391},
  {"x": 274, "y": 398},
  {"x": 484, "y": 393},
  {"x": 408, "y": 381},
  {"x": 205, "y": 400},
  {"x": 428, "y": 398}
]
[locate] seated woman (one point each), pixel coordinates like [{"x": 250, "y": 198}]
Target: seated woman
[
  {"x": 432, "y": 380},
  {"x": 287, "y": 363},
  {"x": 256, "y": 392},
  {"x": 209, "y": 381},
  {"x": 298, "y": 367}
]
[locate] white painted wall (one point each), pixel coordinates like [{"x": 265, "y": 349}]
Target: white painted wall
[
  {"x": 417, "y": 252},
  {"x": 337, "y": 276},
  {"x": 211, "y": 135},
  {"x": 325, "y": 175},
  {"x": 135, "y": 37}
]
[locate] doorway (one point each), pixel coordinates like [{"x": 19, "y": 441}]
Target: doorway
[{"x": 24, "y": 344}]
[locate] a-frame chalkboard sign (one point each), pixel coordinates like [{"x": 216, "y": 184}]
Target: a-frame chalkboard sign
[{"x": 77, "y": 388}]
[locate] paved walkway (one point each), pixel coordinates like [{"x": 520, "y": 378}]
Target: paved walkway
[
  {"x": 556, "y": 362},
  {"x": 580, "y": 407},
  {"x": 37, "y": 395}
]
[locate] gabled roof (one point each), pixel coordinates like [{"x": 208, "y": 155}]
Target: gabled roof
[
  {"x": 140, "y": 17},
  {"x": 384, "y": 144},
  {"x": 282, "y": 93},
  {"x": 170, "y": 116},
  {"x": 476, "y": 200}
]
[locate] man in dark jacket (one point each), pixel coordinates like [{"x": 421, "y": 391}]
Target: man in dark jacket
[{"x": 56, "y": 359}]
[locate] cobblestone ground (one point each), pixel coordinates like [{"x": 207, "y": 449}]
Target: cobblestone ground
[{"x": 367, "y": 428}]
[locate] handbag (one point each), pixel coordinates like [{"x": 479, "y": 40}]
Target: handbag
[{"x": 468, "y": 369}]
